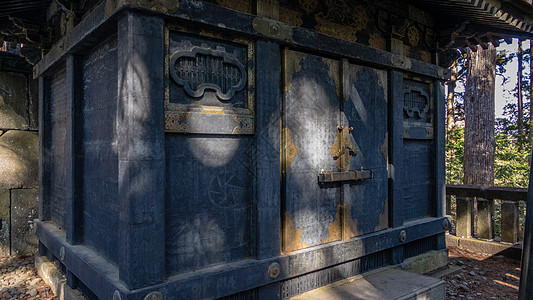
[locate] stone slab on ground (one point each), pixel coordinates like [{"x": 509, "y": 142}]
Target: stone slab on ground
[
  {"x": 384, "y": 283},
  {"x": 24, "y": 203},
  {"x": 487, "y": 247},
  {"x": 55, "y": 279}
]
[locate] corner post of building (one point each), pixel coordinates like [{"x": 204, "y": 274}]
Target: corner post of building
[
  {"x": 44, "y": 178},
  {"x": 141, "y": 138},
  {"x": 439, "y": 134},
  {"x": 396, "y": 148},
  {"x": 268, "y": 153},
  {"x": 73, "y": 140}
]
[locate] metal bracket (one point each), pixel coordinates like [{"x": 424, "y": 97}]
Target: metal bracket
[{"x": 331, "y": 176}]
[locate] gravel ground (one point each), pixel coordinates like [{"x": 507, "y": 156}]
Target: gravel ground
[
  {"x": 482, "y": 276},
  {"x": 19, "y": 280}
]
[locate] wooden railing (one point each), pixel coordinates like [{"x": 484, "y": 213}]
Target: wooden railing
[{"x": 465, "y": 215}]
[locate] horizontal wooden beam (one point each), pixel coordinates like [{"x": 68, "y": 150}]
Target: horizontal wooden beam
[
  {"x": 488, "y": 192},
  {"x": 90, "y": 29}
]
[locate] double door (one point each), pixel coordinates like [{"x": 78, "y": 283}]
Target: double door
[{"x": 335, "y": 150}]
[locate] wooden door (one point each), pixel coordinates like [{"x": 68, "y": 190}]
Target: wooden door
[{"x": 321, "y": 95}]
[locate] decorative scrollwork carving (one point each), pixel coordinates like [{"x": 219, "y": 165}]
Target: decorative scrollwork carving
[
  {"x": 201, "y": 69},
  {"x": 415, "y": 101}
]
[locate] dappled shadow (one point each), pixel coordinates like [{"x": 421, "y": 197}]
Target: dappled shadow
[{"x": 19, "y": 280}]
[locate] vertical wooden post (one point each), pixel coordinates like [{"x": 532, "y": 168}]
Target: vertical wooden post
[
  {"x": 268, "y": 149},
  {"x": 44, "y": 177},
  {"x": 464, "y": 217},
  {"x": 440, "y": 148},
  {"x": 74, "y": 204},
  {"x": 485, "y": 220},
  {"x": 526, "y": 273},
  {"x": 397, "y": 215},
  {"x": 509, "y": 228},
  {"x": 141, "y": 154}
]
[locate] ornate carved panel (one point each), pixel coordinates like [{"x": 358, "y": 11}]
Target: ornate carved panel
[
  {"x": 415, "y": 102},
  {"x": 210, "y": 83},
  {"x": 201, "y": 69},
  {"x": 418, "y": 110}
]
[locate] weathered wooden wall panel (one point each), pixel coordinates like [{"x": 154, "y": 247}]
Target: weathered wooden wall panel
[
  {"x": 418, "y": 150},
  {"x": 101, "y": 207},
  {"x": 57, "y": 93},
  {"x": 365, "y": 110},
  {"x": 209, "y": 200},
  {"x": 311, "y": 213}
]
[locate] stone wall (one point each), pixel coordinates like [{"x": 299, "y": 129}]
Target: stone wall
[{"x": 19, "y": 155}]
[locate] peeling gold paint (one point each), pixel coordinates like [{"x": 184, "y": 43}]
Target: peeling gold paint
[
  {"x": 426, "y": 57},
  {"x": 343, "y": 32},
  {"x": 334, "y": 228},
  {"x": 216, "y": 35},
  {"x": 350, "y": 225},
  {"x": 308, "y": 6},
  {"x": 406, "y": 50},
  {"x": 291, "y": 150},
  {"x": 292, "y": 237},
  {"x": 385, "y": 148},
  {"x": 343, "y": 148},
  {"x": 413, "y": 35},
  {"x": 383, "y": 217},
  {"x": 162, "y": 6},
  {"x": 377, "y": 42},
  {"x": 240, "y": 5},
  {"x": 334, "y": 73},
  {"x": 292, "y": 65},
  {"x": 291, "y": 17}
]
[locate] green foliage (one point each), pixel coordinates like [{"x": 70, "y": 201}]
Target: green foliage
[
  {"x": 511, "y": 162},
  {"x": 454, "y": 155}
]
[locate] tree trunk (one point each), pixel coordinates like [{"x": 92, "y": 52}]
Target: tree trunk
[
  {"x": 479, "y": 141},
  {"x": 519, "y": 92},
  {"x": 450, "y": 118}
]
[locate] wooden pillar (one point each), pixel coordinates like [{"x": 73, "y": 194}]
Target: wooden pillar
[
  {"x": 485, "y": 221},
  {"x": 509, "y": 228},
  {"x": 397, "y": 215},
  {"x": 439, "y": 203},
  {"x": 464, "y": 217},
  {"x": 44, "y": 172},
  {"x": 73, "y": 152},
  {"x": 141, "y": 154},
  {"x": 526, "y": 274}
]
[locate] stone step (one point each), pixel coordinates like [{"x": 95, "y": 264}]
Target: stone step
[{"x": 383, "y": 283}]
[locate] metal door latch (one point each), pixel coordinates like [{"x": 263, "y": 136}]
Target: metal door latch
[
  {"x": 342, "y": 151},
  {"x": 351, "y": 175}
]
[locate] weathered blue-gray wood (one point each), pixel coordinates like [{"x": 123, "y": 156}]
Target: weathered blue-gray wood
[
  {"x": 526, "y": 274},
  {"x": 57, "y": 134},
  {"x": 267, "y": 184},
  {"x": 268, "y": 103},
  {"x": 74, "y": 203},
  {"x": 98, "y": 156},
  {"x": 311, "y": 212},
  {"x": 396, "y": 165},
  {"x": 365, "y": 110},
  {"x": 440, "y": 148},
  {"x": 141, "y": 153},
  {"x": 44, "y": 175},
  {"x": 217, "y": 16},
  {"x": 209, "y": 183},
  {"x": 102, "y": 277}
]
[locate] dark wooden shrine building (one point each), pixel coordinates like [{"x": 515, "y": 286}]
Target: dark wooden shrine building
[{"x": 246, "y": 149}]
